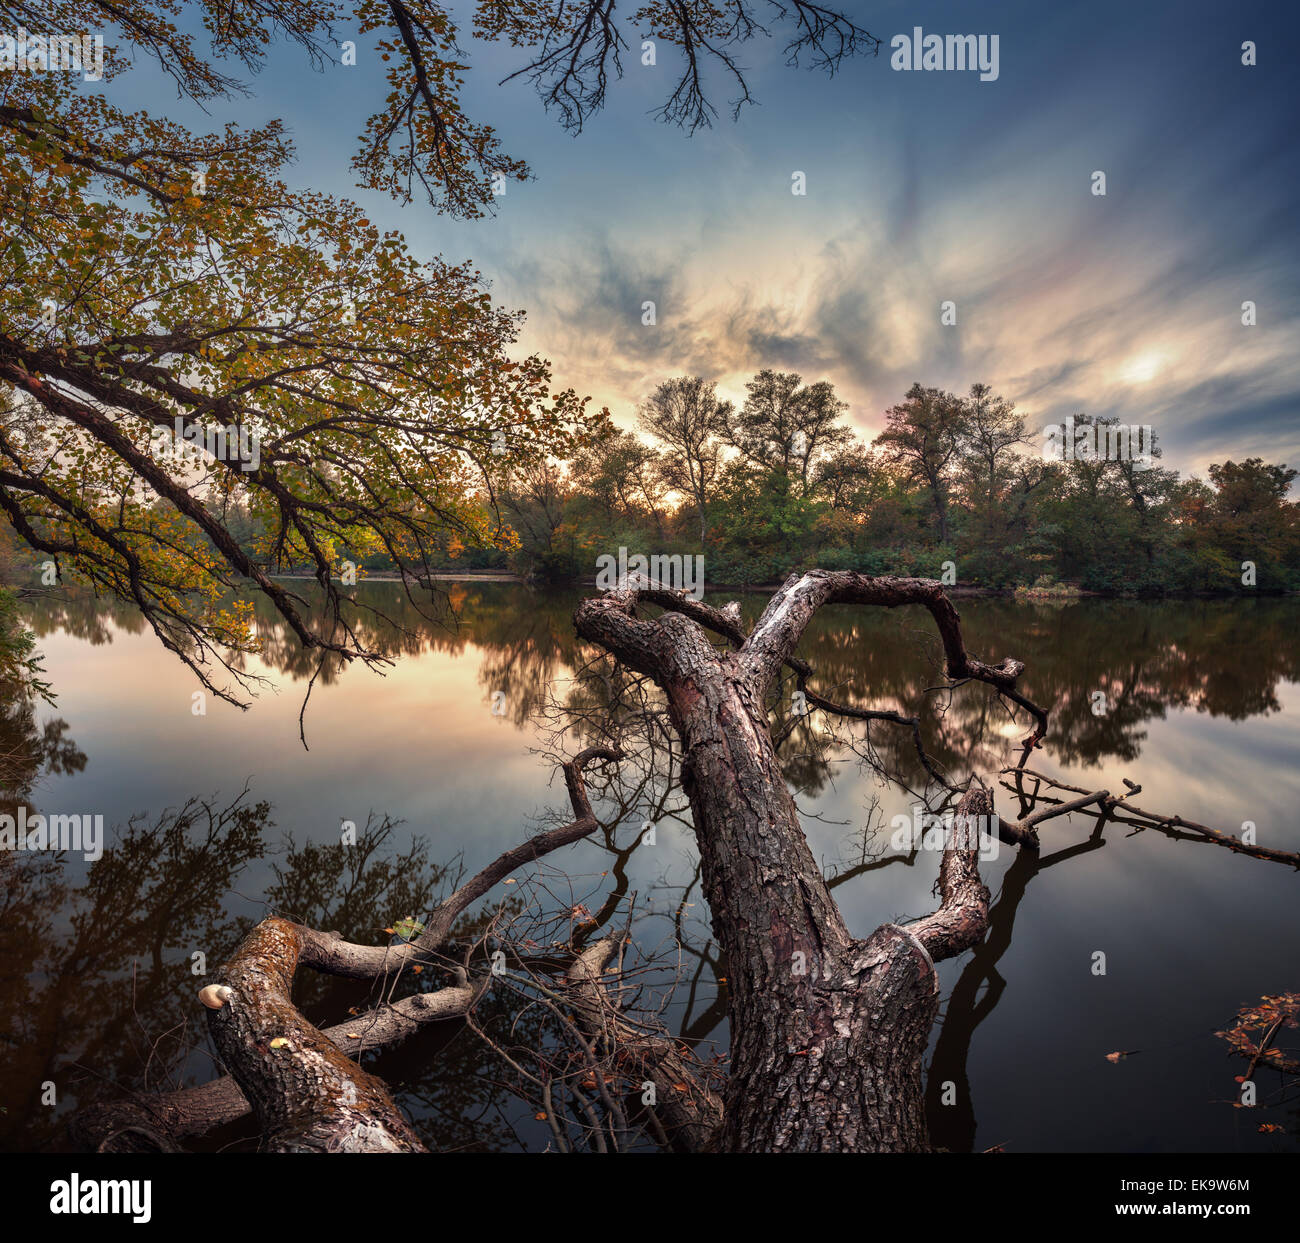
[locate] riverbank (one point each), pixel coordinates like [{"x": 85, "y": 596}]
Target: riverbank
[{"x": 1031, "y": 595}]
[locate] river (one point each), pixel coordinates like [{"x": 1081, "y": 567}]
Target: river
[{"x": 1201, "y": 708}]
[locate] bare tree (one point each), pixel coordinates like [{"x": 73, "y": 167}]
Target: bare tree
[
  {"x": 828, "y": 1030},
  {"x": 576, "y": 48}
]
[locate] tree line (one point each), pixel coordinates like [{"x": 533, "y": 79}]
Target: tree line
[{"x": 781, "y": 481}]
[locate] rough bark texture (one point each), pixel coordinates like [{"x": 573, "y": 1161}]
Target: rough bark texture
[
  {"x": 306, "y": 1093},
  {"x": 150, "y": 1123},
  {"x": 828, "y": 1032},
  {"x": 301, "y": 1083}
]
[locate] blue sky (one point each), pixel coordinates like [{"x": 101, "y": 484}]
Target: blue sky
[{"x": 921, "y": 187}]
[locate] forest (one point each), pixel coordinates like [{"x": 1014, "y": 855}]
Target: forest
[{"x": 783, "y": 481}]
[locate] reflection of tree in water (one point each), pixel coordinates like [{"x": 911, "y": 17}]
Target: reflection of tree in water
[
  {"x": 79, "y": 612},
  {"x": 161, "y": 892},
  {"x": 110, "y": 978},
  {"x": 101, "y": 1001},
  {"x": 32, "y": 892},
  {"x": 29, "y": 751},
  {"x": 1147, "y": 657},
  {"x": 975, "y": 995}
]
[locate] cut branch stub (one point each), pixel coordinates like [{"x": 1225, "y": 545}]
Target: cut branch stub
[{"x": 306, "y": 1094}]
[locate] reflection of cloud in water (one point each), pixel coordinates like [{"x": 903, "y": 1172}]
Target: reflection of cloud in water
[{"x": 1190, "y": 931}]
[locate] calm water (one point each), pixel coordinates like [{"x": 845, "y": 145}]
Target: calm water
[{"x": 97, "y": 992}]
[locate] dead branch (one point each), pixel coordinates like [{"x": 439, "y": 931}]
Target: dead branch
[
  {"x": 963, "y": 913},
  {"x": 1135, "y": 816},
  {"x": 301, "y": 1083},
  {"x": 369, "y": 962},
  {"x": 688, "y": 1111}
]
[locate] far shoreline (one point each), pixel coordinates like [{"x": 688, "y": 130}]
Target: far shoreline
[{"x": 1026, "y": 595}]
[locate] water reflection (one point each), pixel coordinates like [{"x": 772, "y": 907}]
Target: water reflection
[{"x": 97, "y": 989}]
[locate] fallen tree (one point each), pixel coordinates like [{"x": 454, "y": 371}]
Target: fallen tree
[
  {"x": 302, "y": 1084},
  {"x": 828, "y": 1030}
]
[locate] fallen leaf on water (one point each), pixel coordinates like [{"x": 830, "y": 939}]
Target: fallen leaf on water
[
  {"x": 539, "y": 1117},
  {"x": 1270, "y": 1128},
  {"x": 1119, "y": 1053}
]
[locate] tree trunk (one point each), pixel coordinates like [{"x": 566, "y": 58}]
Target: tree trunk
[
  {"x": 940, "y": 509},
  {"x": 828, "y": 1032},
  {"x": 307, "y": 1094}
]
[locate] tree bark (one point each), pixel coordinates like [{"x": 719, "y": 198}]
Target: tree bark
[
  {"x": 828, "y": 1032},
  {"x": 306, "y": 1093}
]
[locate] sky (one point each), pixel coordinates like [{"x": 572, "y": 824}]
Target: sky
[{"x": 921, "y": 187}]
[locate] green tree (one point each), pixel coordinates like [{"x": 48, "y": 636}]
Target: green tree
[
  {"x": 685, "y": 416},
  {"x": 156, "y": 279},
  {"x": 786, "y": 427},
  {"x": 923, "y": 435}
]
